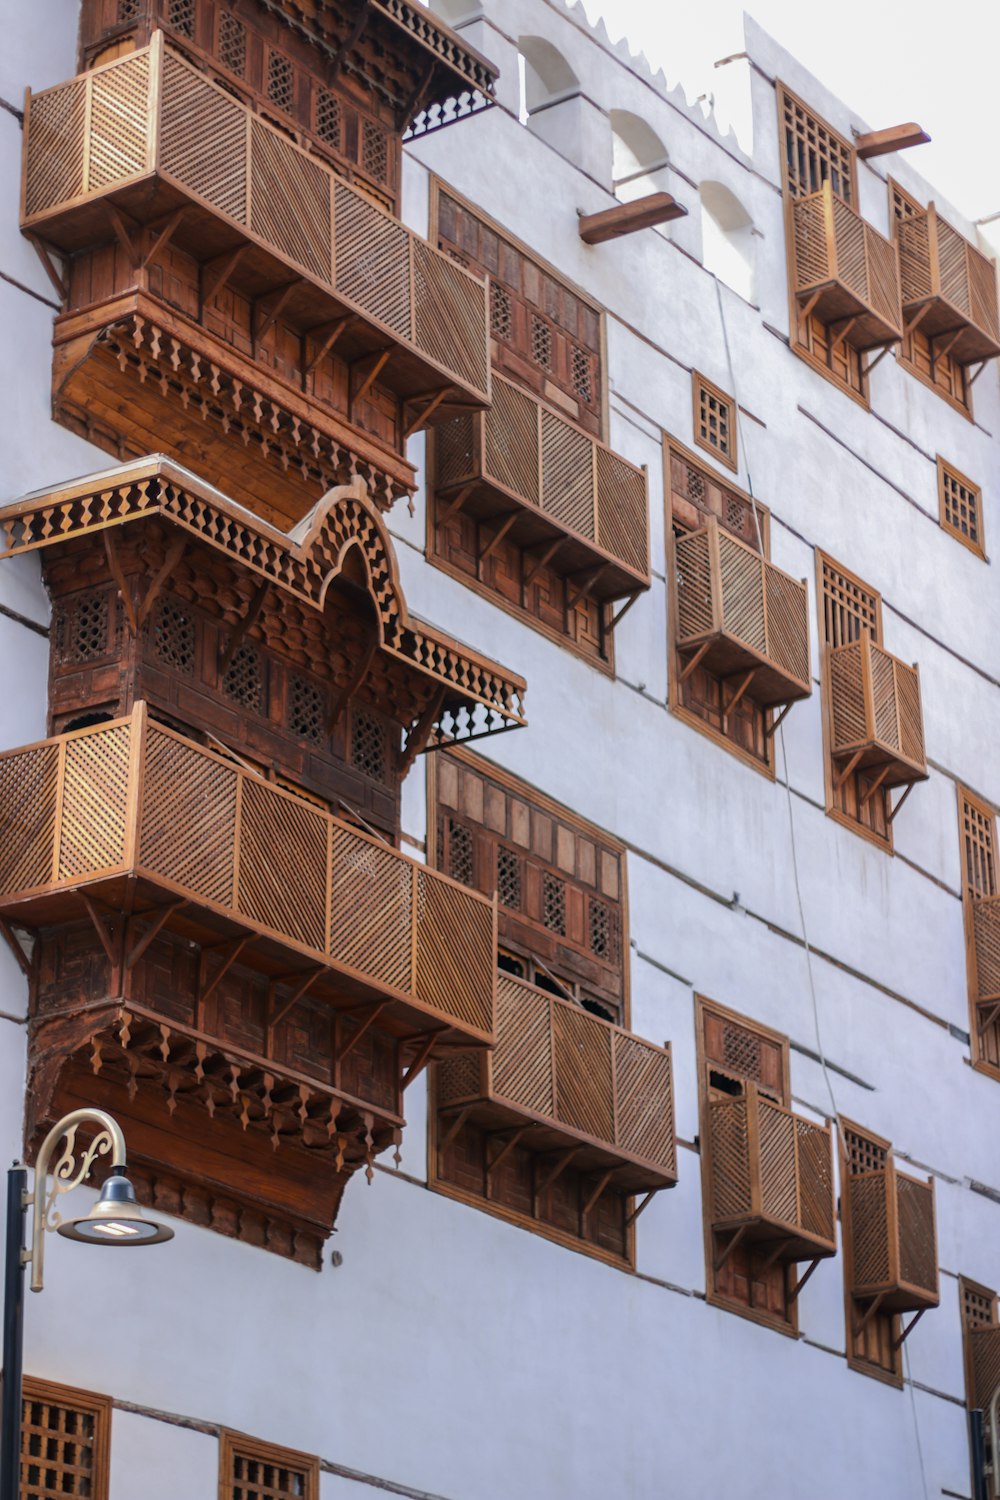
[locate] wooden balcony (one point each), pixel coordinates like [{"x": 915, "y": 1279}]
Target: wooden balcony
[
  {"x": 741, "y": 618},
  {"x": 130, "y": 816},
  {"x": 893, "y": 1241},
  {"x": 148, "y": 140},
  {"x": 845, "y": 271},
  {"x": 986, "y": 936},
  {"x": 564, "y": 1083},
  {"x": 875, "y": 715},
  {"x": 949, "y": 288},
  {"x": 771, "y": 1178},
  {"x": 984, "y": 1346},
  {"x": 548, "y": 486}
]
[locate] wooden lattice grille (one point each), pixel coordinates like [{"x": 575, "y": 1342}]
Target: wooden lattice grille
[
  {"x": 890, "y": 1221},
  {"x": 714, "y": 420},
  {"x": 153, "y": 111},
  {"x": 928, "y": 358},
  {"x": 250, "y": 1470},
  {"x": 65, "y": 1437},
  {"x": 845, "y": 271},
  {"x": 814, "y": 152},
  {"x": 961, "y": 505},
  {"x": 560, "y": 881}
]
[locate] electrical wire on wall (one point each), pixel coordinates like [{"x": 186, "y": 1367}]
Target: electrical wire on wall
[{"x": 742, "y": 448}]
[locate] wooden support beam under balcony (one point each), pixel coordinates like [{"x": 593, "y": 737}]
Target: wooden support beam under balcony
[
  {"x": 739, "y": 615},
  {"x": 568, "y": 1081},
  {"x": 845, "y": 272},
  {"x": 552, "y": 487},
  {"x": 949, "y": 288},
  {"x": 876, "y": 718},
  {"x": 132, "y": 812},
  {"x": 771, "y": 1178},
  {"x": 149, "y": 133},
  {"x": 893, "y": 1240}
]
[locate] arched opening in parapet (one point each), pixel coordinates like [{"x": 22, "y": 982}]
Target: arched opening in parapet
[
  {"x": 545, "y": 76},
  {"x": 728, "y": 239},
  {"x": 639, "y": 157}
]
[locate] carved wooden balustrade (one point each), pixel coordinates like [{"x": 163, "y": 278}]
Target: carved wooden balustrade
[
  {"x": 742, "y": 618},
  {"x": 569, "y": 1085},
  {"x": 875, "y": 715},
  {"x": 771, "y": 1179},
  {"x": 545, "y": 484},
  {"x": 949, "y": 288},
  {"x": 845, "y": 271},
  {"x": 893, "y": 1241},
  {"x": 149, "y": 140},
  {"x": 132, "y": 816}
]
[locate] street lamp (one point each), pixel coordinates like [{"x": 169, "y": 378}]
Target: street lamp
[{"x": 115, "y": 1219}]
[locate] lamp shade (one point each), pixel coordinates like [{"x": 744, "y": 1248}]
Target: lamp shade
[{"x": 116, "y": 1219}]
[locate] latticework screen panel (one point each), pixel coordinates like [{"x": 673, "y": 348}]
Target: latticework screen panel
[
  {"x": 101, "y": 131},
  {"x": 834, "y": 244},
  {"x": 770, "y": 1165},
  {"x": 559, "y": 1061},
  {"x": 917, "y": 1248},
  {"x": 893, "y": 1238},
  {"x": 28, "y": 787},
  {"x": 875, "y": 699},
  {"x": 64, "y": 1443},
  {"x": 249, "y": 1470},
  {"x": 984, "y": 1344},
  {"x": 986, "y": 928}
]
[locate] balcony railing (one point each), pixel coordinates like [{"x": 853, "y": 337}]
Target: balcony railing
[
  {"x": 986, "y": 933},
  {"x": 545, "y": 480},
  {"x": 876, "y": 717},
  {"x": 772, "y": 1177},
  {"x": 741, "y": 617},
  {"x": 893, "y": 1239},
  {"x": 564, "y": 1079},
  {"x": 84, "y": 812},
  {"x": 149, "y": 134},
  {"x": 949, "y": 288},
  {"x": 845, "y": 271}
]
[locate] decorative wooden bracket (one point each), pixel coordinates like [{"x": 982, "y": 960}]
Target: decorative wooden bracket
[
  {"x": 433, "y": 400},
  {"x": 100, "y": 927},
  {"x": 616, "y": 619},
  {"x": 244, "y": 626},
  {"x": 686, "y": 671},
  {"x": 765, "y": 1265},
  {"x": 125, "y": 228},
  {"x": 880, "y": 356},
  {"x": 890, "y": 815},
  {"x": 870, "y": 791},
  {"x": 124, "y": 592},
  {"x": 350, "y": 41},
  {"x": 10, "y": 938},
  {"x": 843, "y": 327},
  {"x": 504, "y": 1152},
  {"x": 796, "y": 1289},
  {"x": 455, "y": 504},
  {"x": 328, "y": 334},
  {"x": 720, "y": 1260},
  {"x": 173, "y": 556},
  {"x": 421, "y": 731},
  {"x": 49, "y": 267},
  {"x": 230, "y": 952},
  {"x": 640, "y": 1207},
  {"x": 269, "y": 308},
  {"x": 304, "y": 985},
  {"x": 160, "y": 919},
  {"x": 423, "y": 1056},
  {"x": 497, "y": 538},
  {"x": 869, "y": 1313},
  {"x": 990, "y": 1017},
  {"x": 775, "y": 724},
  {"x": 598, "y": 1191},
  {"x": 216, "y": 272},
  {"x": 165, "y": 235},
  {"x": 371, "y": 1015},
  {"x": 982, "y": 367},
  {"x": 562, "y": 1161},
  {"x": 413, "y": 103},
  {"x": 368, "y": 368},
  {"x": 461, "y": 1115},
  {"x": 589, "y": 579},
  {"x": 747, "y": 679},
  {"x": 838, "y": 781},
  {"x": 806, "y": 310},
  {"x": 917, "y": 318},
  {"x": 546, "y": 551},
  {"x": 942, "y": 353},
  {"x": 897, "y": 1343}
]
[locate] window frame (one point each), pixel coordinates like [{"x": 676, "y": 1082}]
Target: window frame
[
  {"x": 979, "y": 805},
  {"x": 945, "y": 471},
  {"x": 893, "y": 1376},
  {"x": 234, "y": 1444},
  {"x": 702, "y": 388},
  {"x": 72, "y": 1398}
]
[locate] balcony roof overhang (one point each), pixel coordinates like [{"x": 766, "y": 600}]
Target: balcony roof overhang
[{"x": 467, "y": 694}]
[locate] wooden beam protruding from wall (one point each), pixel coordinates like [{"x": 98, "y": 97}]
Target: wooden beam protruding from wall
[
  {"x": 627, "y": 218},
  {"x": 895, "y": 138}
]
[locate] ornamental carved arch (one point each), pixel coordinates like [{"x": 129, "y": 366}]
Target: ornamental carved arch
[{"x": 343, "y": 538}]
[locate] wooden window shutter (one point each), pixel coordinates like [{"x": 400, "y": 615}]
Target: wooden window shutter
[
  {"x": 714, "y": 420},
  {"x": 250, "y": 1470},
  {"x": 961, "y": 507}
]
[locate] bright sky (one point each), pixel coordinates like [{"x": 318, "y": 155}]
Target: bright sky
[{"x": 890, "y": 61}]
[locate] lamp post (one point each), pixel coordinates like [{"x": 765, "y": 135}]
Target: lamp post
[{"x": 115, "y": 1219}]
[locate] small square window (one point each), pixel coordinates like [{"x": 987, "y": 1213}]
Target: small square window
[
  {"x": 258, "y": 1471},
  {"x": 961, "y": 504},
  {"x": 280, "y": 81},
  {"x": 541, "y": 343},
  {"x": 714, "y": 421}
]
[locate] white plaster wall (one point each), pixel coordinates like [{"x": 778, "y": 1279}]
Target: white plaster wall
[{"x": 452, "y": 1353}]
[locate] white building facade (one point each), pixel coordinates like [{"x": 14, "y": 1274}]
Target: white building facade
[{"x": 797, "y": 946}]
